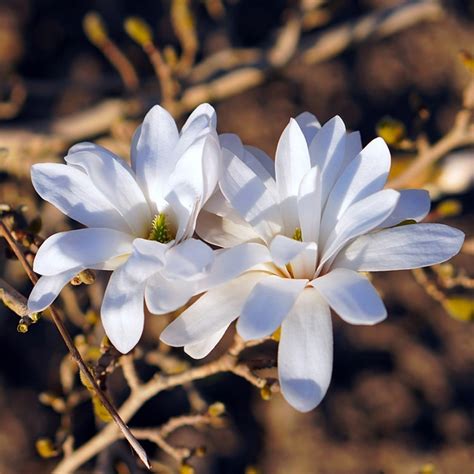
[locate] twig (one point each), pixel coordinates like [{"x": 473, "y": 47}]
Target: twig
[
  {"x": 381, "y": 23},
  {"x": 12, "y": 299},
  {"x": 461, "y": 134},
  {"x": 129, "y": 372},
  {"x": 135, "y": 401},
  {"x": 4, "y": 231}
]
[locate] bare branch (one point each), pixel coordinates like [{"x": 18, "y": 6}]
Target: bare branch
[{"x": 5, "y": 232}]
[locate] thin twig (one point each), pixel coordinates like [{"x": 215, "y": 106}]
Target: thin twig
[
  {"x": 135, "y": 401},
  {"x": 461, "y": 134},
  {"x": 12, "y": 299},
  {"x": 5, "y": 232}
]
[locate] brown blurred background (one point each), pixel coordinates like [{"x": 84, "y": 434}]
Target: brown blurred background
[{"x": 402, "y": 395}]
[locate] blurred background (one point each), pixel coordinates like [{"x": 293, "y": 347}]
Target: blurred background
[{"x": 402, "y": 395}]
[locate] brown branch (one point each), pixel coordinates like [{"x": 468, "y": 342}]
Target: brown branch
[
  {"x": 379, "y": 24},
  {"x": 461, "y": 134},
  {"x": 5, "y": 232},
  {"x": 135, "y": 401},
  {"x": 12, "y": 299}
]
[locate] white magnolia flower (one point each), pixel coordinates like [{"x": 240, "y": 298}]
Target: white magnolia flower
[
  {"x": 318, "y": 218},
  {"x": 140, "y": 220}
]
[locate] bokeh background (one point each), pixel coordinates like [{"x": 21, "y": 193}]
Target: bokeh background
[{"x": 402, "y": 395}]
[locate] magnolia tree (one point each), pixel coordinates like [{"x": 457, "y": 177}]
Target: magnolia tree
[{"x": 212, "y": 231}]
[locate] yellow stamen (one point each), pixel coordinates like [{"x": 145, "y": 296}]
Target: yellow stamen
[
  {"x": 159, "y": 229},
  {"x": 297, "y": 235}
]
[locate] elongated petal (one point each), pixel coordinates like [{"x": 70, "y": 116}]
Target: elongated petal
[
  {"x": 263, "y": 158},
  {"x": 292, "y": 162},
  {"x": 400, "y": 248},
  {"x": 48, "y": 288},
  {"x": 113, "y": 177},
  {"x": 232, "y": 262},
  {"x": 200, "y": 123},
  {"x": 267, "y": 305},
  {"x": 153, "y": 156},
  {"x": 188, "y": 260},
  {"x": 305, "y": 352},
  {"x": 353, "y": 147},
  {"x": 83, "y": 247},
  {"x": 351, "y": 296},
  {"x": 360, "y": 218},
  {"x": 74, "y": 194},
  {"x": 283, "y": 249},
  {"x": 201, "y": 349},
  {"x": 198, "y": 168},
  {"x": 309, "y": 205},
  {"x": 163, "y": 296},
  {"x": 364, "y": 175},
  {"x": 223, "y": 232},
  {"x": 184, "y": 200},
  {"x": 122, "y": 310},
  {"x": 413, "y": 204},
  {"x": 309, "y": 125},
  {"x": 327, "y": 152},
  {"x": 212, "y": 312},
  {"x": 250, "y": 197}
]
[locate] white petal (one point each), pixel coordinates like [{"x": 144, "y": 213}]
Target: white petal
[
  {"x": 400, "y": 248},
  {"x": 292, "y": 162},
  {"x": 309, "y": 205},
  {"x": 198, "y": 168},
  {"x": 83, "y": 247},
  {"x": 188, "y": 260},
  {"x": 122, "y": 310},
  {"x": 48, "y": 288},
  {"x": 201, "y": 349},
  {"x": 283, "y": 249},
  {"x": 353, "y": 146},
  {"x": 115, "y": 180},
  {"x": 309, "y": 125},
  {"x": 305, "y": 352},
  {"x": 364, "y": 175},
  {"x": 263, "y": 158},
  {"x": 163, "y": 296},
  {"x": 250, "y": 197},
  {"x": 351, "y": 296},
  {"x": 74, "y": 194},
  {"x": 200, "y": 123},
  {"x": 223, "y": 232},
  {"x": 232, "y": 262},
  {"x": 267, "y": 305},
  {"x": 153, "y": 155},
  {"x": 413, "y": 204},
  {"x": 212, "y": 312},
  {"x": 360, "y": 218},
  {"x": 327, "y": 152}
]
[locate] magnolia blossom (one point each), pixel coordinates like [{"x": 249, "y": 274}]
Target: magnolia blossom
[
  {"x": 301, "y": 233},
  {"x": 140, "y": 220}
]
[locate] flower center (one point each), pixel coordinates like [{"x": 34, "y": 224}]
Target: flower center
[
  {"x": 160, "y": 229},
  {"x": 297, "y": 235}
]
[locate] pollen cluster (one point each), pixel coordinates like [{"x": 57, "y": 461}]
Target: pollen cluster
[{"x": 159, "y": 229}]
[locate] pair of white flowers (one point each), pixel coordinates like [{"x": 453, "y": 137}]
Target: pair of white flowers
[{"x": 294, "y": 237}]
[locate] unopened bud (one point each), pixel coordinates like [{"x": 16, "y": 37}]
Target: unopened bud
[
  {"x": 94, "y": 28},
  {"x": 186, "y": 469},
  {"x": 266, "y": 393},
  {"x": 216, "y": 409},
  {"x": 391, "y": 130},
  {"x": 138, "y": 30},
  {"x": 45, "y": 448},
  {"x": 449, "y": 208}
]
